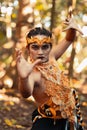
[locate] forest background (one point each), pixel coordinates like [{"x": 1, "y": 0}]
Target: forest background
[{"x": 17, "y": 17}]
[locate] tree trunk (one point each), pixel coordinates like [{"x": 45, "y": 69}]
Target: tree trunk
[
  {"x": 70, "y": 74},
  {"x": 24, "y": 23},
  {"x": 52, "y": 14}
]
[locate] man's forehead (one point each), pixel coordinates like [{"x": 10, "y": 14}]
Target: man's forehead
[{"x": 40, "y": 37}]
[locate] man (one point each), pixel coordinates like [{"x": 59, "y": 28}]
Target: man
[{"x": 42, "y": 78}]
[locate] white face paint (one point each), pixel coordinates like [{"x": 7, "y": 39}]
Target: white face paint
[{"x": 40, "y": 48}]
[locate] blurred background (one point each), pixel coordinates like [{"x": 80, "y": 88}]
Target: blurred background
[{"x": 17, "y": 17}]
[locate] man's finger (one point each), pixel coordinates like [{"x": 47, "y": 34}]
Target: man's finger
[
  {"x": 36, "y": 62},
  {"x": 18, "y": 58},
  {"x": 18, "y": 51},
  {"x": 66, "y": 28}
]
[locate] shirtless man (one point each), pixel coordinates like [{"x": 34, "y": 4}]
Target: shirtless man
[{"x": 41, "y": 78}]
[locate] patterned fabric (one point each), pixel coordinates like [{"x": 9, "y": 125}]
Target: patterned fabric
[
  {"x": 48, "y": 123},
  {"x": 61, "y": 99}
]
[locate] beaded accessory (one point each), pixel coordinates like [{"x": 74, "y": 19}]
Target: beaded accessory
[{"x": 80, "y": 123}]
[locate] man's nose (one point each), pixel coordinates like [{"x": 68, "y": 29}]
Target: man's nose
[{"x": 40, "y": 51}]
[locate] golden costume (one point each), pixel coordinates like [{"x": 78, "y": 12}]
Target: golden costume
[
  {"x": 62, "y": 107},
  {"x": 61, "y": 103},
  {"x": 63, "y": 100}
]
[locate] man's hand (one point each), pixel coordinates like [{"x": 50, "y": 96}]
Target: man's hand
[
  {"x": 72, "y": 24},
  {"x": 24, "y": 68}
]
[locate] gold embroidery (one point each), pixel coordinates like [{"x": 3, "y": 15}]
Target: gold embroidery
[
  {"x": 39, "y": 41},
  {"x": 59, "y": 91}
]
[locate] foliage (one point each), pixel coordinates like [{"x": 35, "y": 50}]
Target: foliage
[
  {"x": 42, "y": 14},
  {"x": 14, "y": 111}
]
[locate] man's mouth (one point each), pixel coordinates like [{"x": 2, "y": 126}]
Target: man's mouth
[{"x": 40, "y": 57}]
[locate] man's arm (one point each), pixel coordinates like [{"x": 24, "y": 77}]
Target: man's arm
[
  {"x": 58, "y": 50},
  {"x": 25, "y": 71},
  {"x": 26, "y": 86}
]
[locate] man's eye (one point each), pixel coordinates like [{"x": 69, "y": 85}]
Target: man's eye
[
  {"x": 45, "y": 47},
  {"x": 35, "y": 47}
]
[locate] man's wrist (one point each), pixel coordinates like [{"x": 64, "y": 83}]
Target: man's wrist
[
  {"x": 24, "y": 78},
  {"x": 71, "y": 34}
]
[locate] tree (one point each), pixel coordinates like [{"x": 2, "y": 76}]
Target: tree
[
  {"x": 25, "y": 21},
  {"x": 70, "y": 74},
  {"x": 52, "y": 14}
]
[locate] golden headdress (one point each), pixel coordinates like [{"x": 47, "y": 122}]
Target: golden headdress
[{"x": 39, "y": 40}]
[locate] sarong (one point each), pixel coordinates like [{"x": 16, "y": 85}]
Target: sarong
[{"x": 48, "y": 123}]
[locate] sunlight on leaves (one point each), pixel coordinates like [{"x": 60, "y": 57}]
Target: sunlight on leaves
[
  {"x": 9, "y": 103},
  {"x": 12, "y": 123},
  {"x": 8, "y": 81},
  {"x": 19, "y": 126},
  {"x": 84, "y": 104},
  {"x": 8, "y": 122},
  {"x": 7, "y": 108},
  {"x": 8, "y": 45},
  {"x": 2, "y": 73}
]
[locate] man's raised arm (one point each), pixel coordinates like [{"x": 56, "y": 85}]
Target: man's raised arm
[{"x": 69, "y": 38}]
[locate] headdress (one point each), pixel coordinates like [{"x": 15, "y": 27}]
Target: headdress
[{"x": 39, "y": 40}]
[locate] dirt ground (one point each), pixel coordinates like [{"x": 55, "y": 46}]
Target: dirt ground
[{"x": 15, "y": 111}]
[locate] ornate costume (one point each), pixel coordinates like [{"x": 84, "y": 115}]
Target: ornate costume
[
  {"x": 62, "y": 98},
  {"x": 61, "y": 111}
]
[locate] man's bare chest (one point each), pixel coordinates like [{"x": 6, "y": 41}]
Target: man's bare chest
[{"x": 39, "y": 91}]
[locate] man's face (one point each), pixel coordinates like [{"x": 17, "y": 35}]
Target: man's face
[{"x": 40, "y": 48}]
